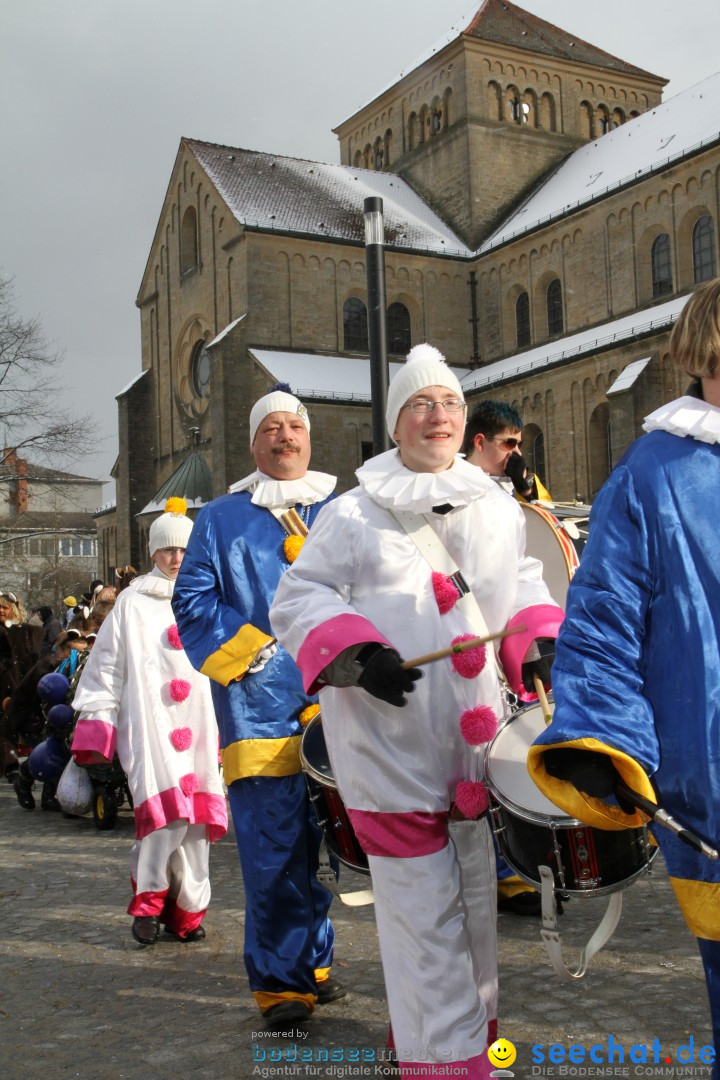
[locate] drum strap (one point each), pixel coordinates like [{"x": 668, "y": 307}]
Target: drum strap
[
  {"x": 438, "y": 557},
  {"x": 327, "y": 877},
  {"x": 550, "y": 933}
]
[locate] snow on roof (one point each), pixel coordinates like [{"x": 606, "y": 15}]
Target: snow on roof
[
  {"x": 574, "y": 345},
  {"x": 311, "y": 376},
  {"x": 628, "y": 376},
  {"x": 230, "y": 326},
  {"x": 132, "y": 383},
  {"x": 294, "y": 195},
  {"x": 650, "y": 142}
]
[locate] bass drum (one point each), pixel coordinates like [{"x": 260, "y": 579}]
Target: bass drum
[
  {"x": 330, "y": 809},
  {"x": 532, "y": 832},
  {"x": 550, "y": 542}
]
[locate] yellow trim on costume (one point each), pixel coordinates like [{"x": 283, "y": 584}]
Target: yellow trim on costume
[
  {"x": 322, "y": 974},
  {"x": 514, "y": 885},
  {"x": 235, "y": 656},
  {"x": 261, "y": 757},
  {"x": 586, "y": 808},
  {"x": 700, "y": 904},
  {"x": 266, "y": 1000}
]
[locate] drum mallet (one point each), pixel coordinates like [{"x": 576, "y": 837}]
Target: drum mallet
[
  {"x": 661, "y": 817},
  {"x": 461, "y": 646}
]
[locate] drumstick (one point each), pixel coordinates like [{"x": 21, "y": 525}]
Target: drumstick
[
  {"x": 657, "y": 814},
  {"x": 293, "y": 523},
  {"x": 461, "y": 646},
  {"x": 542, "y": 698}
]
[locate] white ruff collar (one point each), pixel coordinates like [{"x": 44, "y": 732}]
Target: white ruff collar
[
  {"x": 390, "y": 484},
  {"x": 311, "y": 488},
  {"x": 155, "y": 583},
  {"x": 687, "y": 416}
]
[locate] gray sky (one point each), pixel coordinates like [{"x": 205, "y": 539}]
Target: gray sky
[{"x": 96, "y": 95}]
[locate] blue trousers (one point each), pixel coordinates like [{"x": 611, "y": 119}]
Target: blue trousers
[
  {"x": 710, "y": 953},
  {"x": 287, "y": 932}
]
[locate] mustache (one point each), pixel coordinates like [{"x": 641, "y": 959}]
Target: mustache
[{"x": 281, "y": 448}]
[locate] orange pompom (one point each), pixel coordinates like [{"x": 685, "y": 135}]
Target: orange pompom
[
  {"x": 176, "y": 505},
  {"x": 307, "y": 714},
  {"x": 292, "y": 546}
]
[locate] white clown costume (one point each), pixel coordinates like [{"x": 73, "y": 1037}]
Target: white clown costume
[
  {"x": 139, "y": 696},
  {"x": 404, "y": 774}
]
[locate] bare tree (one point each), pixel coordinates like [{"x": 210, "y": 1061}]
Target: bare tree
[{"x": 30, "y": 388}]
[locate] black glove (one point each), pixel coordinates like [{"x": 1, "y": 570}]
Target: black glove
[
  {"x": 516, "y": 468},
  {"x": 588, "y": 771},
  {"x": 383, "y": 677},
  {"x": 540, "y": 663}
]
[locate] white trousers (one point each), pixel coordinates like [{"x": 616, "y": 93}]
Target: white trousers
[
  {"x": 173, "y": 862},
  {"x": 437, "y": 924}
]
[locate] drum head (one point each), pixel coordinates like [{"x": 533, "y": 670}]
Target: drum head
[
  {"x": 548, "y": 542},
  {"x": 313, "y": 753},
  {"x": 506, "y": 771}
]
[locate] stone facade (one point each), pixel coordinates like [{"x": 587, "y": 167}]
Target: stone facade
[{"x": 474, "y": 130}]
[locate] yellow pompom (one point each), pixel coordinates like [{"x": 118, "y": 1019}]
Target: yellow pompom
[
  {"x": 307, "y": 714},
  {"x": 176, "y": 505},
  {"x": 292, "y": 546}
]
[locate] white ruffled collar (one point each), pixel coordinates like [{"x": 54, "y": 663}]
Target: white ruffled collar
[
  {"x": 687, "y": 416},
  {"x": 155, "y": 584},
  {"x": 311, "y": 488},
  {"x": 389, "y": 483}
]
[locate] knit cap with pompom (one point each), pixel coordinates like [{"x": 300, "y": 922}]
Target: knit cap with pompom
[
  {"x": 425, "y": 366},
  {"x": 172, "y": 529}
]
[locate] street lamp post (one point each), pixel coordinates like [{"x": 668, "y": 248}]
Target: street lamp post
[{"x": 377, "y": 319}]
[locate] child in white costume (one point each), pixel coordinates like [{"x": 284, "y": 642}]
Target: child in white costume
[{"x": 140, "y": 696}]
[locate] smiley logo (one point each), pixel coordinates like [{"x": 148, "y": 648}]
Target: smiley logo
[{"x": 502, "y": 1053}]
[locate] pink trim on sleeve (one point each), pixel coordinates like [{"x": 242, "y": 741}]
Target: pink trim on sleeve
[
  {"x": 327, "y": 641},
  {"x": 403, "y": 835},
  {"x": 93, "y": 737},
  {"x": 541, "y": 621}
]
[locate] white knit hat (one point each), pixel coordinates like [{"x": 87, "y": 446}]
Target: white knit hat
[
  {"x": 425, "y": 366},
  {"x": 171, "y": 529},
  {"x": 280, "y": 399}
]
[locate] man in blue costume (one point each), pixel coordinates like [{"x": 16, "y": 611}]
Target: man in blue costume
[
  {"x": 637, "y": 667},
  {"x": 237, "y": 553}
]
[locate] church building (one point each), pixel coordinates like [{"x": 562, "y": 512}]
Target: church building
[{"x": 546, "y": 216}]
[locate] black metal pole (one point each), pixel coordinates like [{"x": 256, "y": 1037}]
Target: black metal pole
[{"x": 377, "y": 320}]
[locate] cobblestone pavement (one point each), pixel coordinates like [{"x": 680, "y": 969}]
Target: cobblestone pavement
[{"x": 78, "y": 997}]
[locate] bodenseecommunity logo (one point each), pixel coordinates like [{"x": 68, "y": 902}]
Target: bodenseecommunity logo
[{"x": 613, "y": 1058}]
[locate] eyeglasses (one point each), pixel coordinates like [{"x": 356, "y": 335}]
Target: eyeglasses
[
  {"x": 509, "y": 444},
  {"x": 423, "y": 406}
]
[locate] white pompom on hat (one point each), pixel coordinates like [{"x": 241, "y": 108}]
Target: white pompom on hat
[
  {"x": 425, "y": 366},
  {"x": 172, "y": 529},
  {"x": 280, "y": 399}
]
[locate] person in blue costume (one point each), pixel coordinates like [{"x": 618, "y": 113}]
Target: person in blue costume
[
  {"x": 237, "y": 553},
  {"x": 637, "y": 666}
]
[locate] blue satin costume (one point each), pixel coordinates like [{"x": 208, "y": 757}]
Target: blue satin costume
[
  {"x": 226, "y": 584},
  {"x": 637, "y": 668}
]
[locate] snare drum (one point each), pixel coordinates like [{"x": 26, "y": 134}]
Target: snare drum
[
  {"x": 330, "y": 809},
  {"x": 548, "y": 541},
  {"x": 532, "y": 832}
]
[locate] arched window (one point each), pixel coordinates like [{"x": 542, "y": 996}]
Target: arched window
[
  {"x": 537, "y": 457},
  {"x": 355, "y": 324},
  {"x": 398, "y": 329},
  {"x": 661, "y": 268},
  {"x": 554, "y": 307},
  {"x": 188, "y": 241},
  {"x": 200, "y": 371},
  {"x": 522, "y": 320},
  {"x": 704, "y": 249}
]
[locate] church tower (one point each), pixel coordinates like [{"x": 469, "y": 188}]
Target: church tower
[{"x": 476, "y": 122}]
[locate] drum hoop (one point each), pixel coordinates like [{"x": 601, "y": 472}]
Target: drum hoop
[
  {"x": 319, "y": 777},
  {"x": 569, "y": 554},
  {"x": 533, "y": 817},
  {"x": 602, "y": 890}
]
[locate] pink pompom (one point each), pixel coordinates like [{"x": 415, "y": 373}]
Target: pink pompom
[
  {"x": 478, "y": 725},
  {"x": 189, "y": 784},
  {"x": 446, "y": 593},
  {"x": 179, "y": 689},
  {"x": 181, "y": 738},
  {"x": 471, "y": 798},
  {"x": 470, "y": 663},
  {"x": 173, "y": 635}
]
